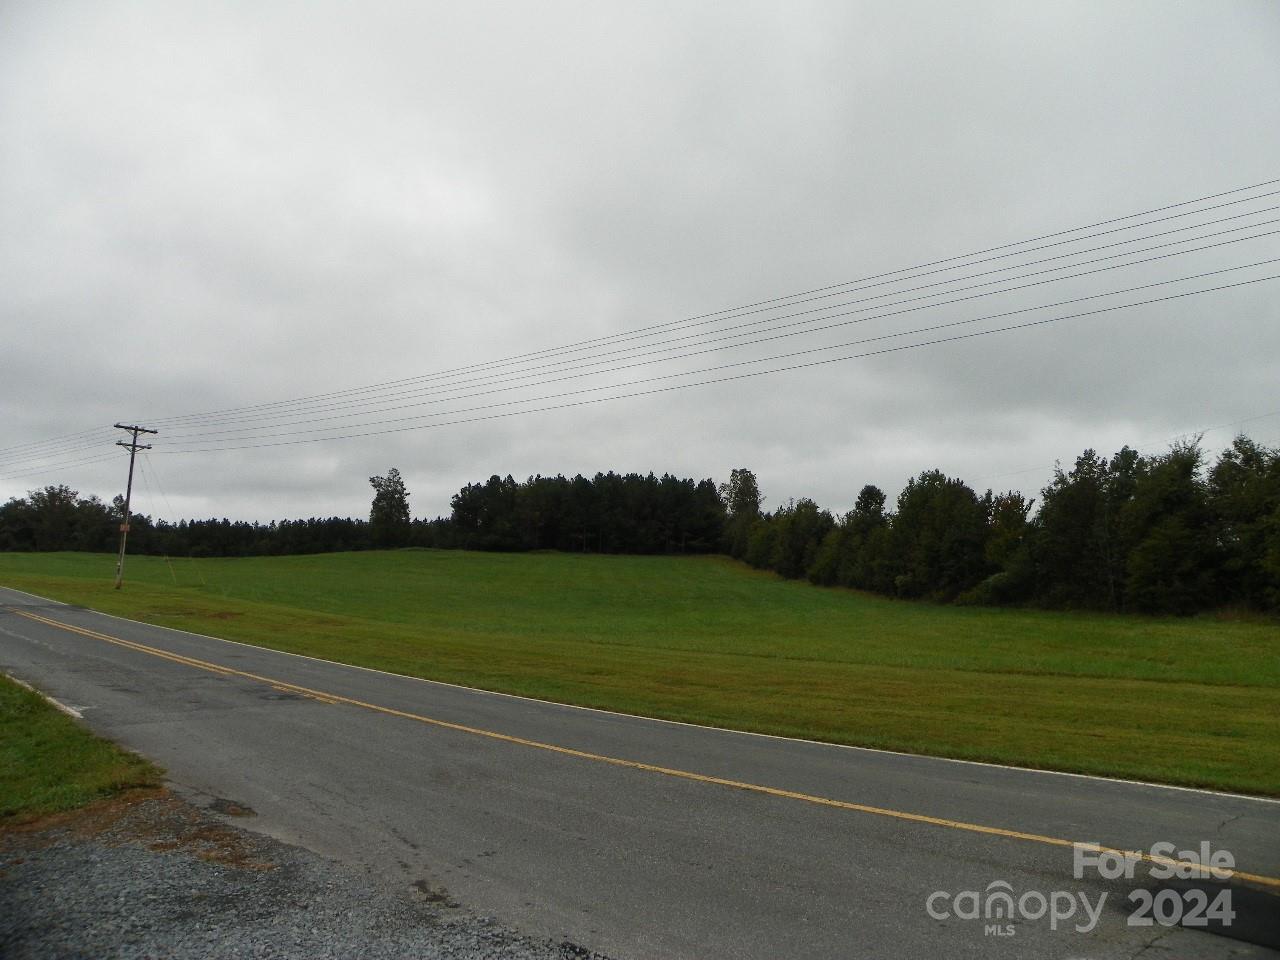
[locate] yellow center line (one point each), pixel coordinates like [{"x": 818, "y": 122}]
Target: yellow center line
[{"x": 335, "y": 698}]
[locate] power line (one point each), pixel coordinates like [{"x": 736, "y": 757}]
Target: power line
[
  {"x": 74, "y": 441},
  {"x": 69, "y": 436},
  {"x": 200, "y": 437},
  {"x": 248, "y": 432},
  {"x": 60, "y": 447},
  {"x": 739, "y": 376},
  {"x": 57, "y": 453},
  {"x": 775, "y": 322},
  {"x": 50, "y": 468},
  {"x": 775, "y": 300}
]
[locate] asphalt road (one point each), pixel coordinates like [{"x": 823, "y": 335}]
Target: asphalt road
[{"x": 639, "y": 838}]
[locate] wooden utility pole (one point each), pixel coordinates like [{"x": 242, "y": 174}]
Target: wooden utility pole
[{"x": 133, "y": 446}]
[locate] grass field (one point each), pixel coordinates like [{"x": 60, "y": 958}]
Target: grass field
[
  {"x": 703, "y": 639},
  {"x": 49, "y": 763}
]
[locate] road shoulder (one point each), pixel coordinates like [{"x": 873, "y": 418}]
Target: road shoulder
[{"x": 149, "y": 873}]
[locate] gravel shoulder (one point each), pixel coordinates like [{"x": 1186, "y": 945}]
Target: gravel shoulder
[{"x": 149, "y": 874}]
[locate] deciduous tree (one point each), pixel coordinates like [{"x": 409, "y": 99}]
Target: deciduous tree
[{"x": 389, "y": 524}]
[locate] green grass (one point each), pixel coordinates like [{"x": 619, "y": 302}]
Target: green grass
[
  {"x": 703, "y": 639},
  {"x": 49, "y": 763}
]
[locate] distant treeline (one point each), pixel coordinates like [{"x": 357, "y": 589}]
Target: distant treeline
[
  {"x": 57, "y": 518},
  {"x": 608, "y": 513},
  {"x": 1160, "y": 534},
  {"x": 1150, "y": 534}
]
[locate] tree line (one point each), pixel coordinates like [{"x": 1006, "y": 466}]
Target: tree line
[
  {"x": 58, "y": 518},
  {"x": 1159, "y": 534},
  {"x": 1168, "y": 533},
  {"x": 607, "y": 513}
]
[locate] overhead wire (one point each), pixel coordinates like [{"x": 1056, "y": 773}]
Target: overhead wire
[
  {"x": 48, "y": 469},
  {"x": 38, "y": 443},
  {"x": 776, "y": 300},
  {"x": 56, "y": 448},
  {"x": 543, "y": 379},
  {"x": 773, "y": 322},
  {"x": 61, "y": 451},
  {"x": 243, "y": 432},
  {"x": 734, "y": 377}
]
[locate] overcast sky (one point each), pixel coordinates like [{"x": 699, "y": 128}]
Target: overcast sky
[{"x": 211, "y": 206}]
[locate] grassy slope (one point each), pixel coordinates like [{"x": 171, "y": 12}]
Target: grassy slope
[
  {"x": 49, "y": 763},
  {"x": 705, "y": 640}
]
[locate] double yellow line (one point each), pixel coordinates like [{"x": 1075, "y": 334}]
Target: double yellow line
[{"x": 335, "y": 698}]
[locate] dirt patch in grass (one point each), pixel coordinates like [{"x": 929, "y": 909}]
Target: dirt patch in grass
[
  {"x": 152, "y": 818},
  {"x": 85, "y": 822}
]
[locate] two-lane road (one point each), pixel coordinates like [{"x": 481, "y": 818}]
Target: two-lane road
[{"x": 635, "y": 837}]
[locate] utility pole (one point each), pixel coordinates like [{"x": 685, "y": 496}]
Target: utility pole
[{"x": 133, "y": 446}]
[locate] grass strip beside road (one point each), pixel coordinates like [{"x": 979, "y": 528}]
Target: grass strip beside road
[
  {"x": 1193, "y": 702},
  {"x": 49, "y": 763}
]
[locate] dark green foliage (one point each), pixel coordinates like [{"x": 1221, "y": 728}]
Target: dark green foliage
[
  {"x": 1129, "y": 533},
  {"x": 868, "y": 562},
  {"x": 939, "y": 538},
  {"x": 1270, "y": 561},
  {"x": 1171, "y": 536},
  {"x": 825, "y": 569},
  {"x": 1142, "y": 534},
  {"x": 1008, "y": 529},
  {"x": 57, "y": 518},
  {"x": 609, "y": 513},
  {"x": 613, "y": 513},
  {"x": 848, "y": 554},
  {"x": 1078, "y": 547},
  {"x": 762, "y": 544},
  {"x": 1146, "y": 534},
  {"x": 741, "y": 498},
  {"x": 934, "y": 545},
  {"x": 799, "y": 529},
  {"x": 389, "y": 524},
  {"x": 1007, "y": 551},
  {"x": 1244, "y": 494}
]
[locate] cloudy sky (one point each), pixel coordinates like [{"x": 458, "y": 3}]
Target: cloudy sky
[{"x": 212, "y": 207}]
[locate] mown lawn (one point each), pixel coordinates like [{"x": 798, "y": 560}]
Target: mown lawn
[
  {"x": 703, "y": 639},
  {"x": 49, "y": 763}
]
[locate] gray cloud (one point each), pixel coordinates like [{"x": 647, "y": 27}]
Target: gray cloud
[{"x": 212, "y": 207}]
